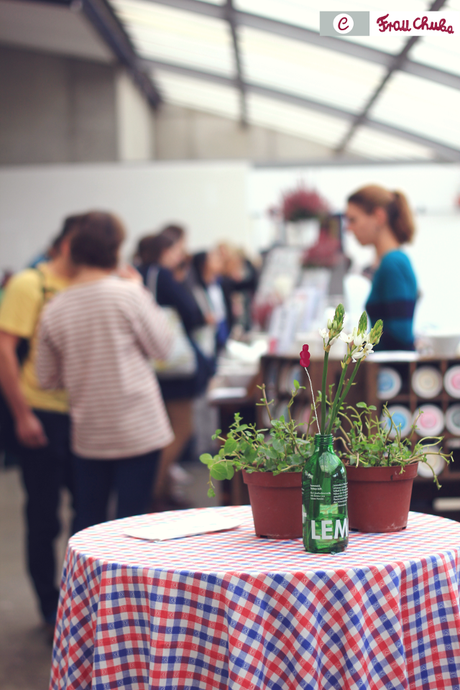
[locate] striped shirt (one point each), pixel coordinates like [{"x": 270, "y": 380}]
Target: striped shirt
[{"x": 96, "y": 340}]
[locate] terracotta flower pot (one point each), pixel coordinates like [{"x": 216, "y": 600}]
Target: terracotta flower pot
[
  {"x": 379, "y": 497},
  {"x": 276, "y": 503}
]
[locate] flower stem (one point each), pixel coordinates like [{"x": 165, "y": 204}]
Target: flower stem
[
  {"x": 335, "y": 406},
  {"x": 348, "y": 386},
  {"x": 313, "y": 401},
  {"x": 323, "y": 392}
]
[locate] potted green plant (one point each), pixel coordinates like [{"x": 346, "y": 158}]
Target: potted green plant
[
  {"x": 280, "y": 458},
  {"x": 271, "y": 461},
  {"x": 381, "y": 467}
]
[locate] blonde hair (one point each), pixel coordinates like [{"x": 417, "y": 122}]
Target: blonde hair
[{"x": 400, "y": 218}]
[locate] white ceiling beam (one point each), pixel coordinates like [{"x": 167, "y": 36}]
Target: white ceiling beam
[{"x": 443, "y": 151}]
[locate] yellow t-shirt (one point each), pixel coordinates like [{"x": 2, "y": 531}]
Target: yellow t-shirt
[{"x": 22, "y": 301}]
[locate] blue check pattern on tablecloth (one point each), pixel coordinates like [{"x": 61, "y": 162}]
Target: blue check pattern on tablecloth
[{"x": 229, "y": 610}]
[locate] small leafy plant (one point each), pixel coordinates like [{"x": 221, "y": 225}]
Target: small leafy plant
[
  {"x": 278, "y": 449},
  {"x": 367, "y": 441}
]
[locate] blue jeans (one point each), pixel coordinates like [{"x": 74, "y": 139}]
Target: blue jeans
[
  {"x": 44, "y": 471},
  {"x": 131, "y": 478}
]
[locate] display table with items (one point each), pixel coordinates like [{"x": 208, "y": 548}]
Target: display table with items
[{"x": 230, "y": 610}]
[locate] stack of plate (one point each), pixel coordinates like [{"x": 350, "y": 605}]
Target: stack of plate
[
  {"x": 453, "y": 419},
  {"x": 388, "y": 383},
  {"x": 432, "y": 460},
  {"x": 427, "y": 382},
  {"x": 452, "y": 381},
  {"x": 430, "y": 422},
  {"x": 401, "y": 419}
]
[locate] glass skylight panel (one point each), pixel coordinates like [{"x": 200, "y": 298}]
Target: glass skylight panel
[
  {"x": 198, "y": 94},
  {"x": 422, "y": 107},
  {"x": 305, "y": 70},
  {"x": 370, "y": 143},
  {"x": 299, "y": 122},
  {"x": 298, "y": 12},
  {"x": 438, "y": 50},
  {"x": 171, "y": 35},
  {"x": 305, "y": 13}
]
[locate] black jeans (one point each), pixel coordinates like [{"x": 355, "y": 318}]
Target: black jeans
[
  {"x": 131, "y": 478},
  {"x": 44, "y": 471}
]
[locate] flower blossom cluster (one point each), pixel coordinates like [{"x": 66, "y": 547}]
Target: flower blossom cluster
[
  {"x": 360, "y": 344},
  {"x": 303, "y": 203}
]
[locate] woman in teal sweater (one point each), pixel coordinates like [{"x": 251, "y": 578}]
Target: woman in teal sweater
[{"x": 382, "y": 218}]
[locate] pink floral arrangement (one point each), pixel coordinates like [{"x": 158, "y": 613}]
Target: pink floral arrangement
[{"x": 302, "y": 204}]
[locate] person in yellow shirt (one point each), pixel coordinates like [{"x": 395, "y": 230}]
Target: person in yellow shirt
[{"x": 36, "y": 422}]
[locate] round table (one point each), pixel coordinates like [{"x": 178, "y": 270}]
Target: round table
[{"x": 230, "y": 610}]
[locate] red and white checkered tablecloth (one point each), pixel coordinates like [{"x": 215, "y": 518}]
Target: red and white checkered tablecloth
[{"x": 230, "y": 610}]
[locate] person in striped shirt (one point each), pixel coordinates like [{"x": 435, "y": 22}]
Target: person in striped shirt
[
  {"x": 382, "y": 218},
  {"x": 96, "y": 340}
]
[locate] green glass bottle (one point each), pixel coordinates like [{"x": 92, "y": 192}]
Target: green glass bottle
[{"x": 324, "y": 499}]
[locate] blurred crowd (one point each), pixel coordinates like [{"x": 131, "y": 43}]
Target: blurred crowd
[{"x": 100, "y": 365}]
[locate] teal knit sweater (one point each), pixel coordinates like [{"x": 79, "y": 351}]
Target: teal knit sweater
[{"x": 392, "y": 299}]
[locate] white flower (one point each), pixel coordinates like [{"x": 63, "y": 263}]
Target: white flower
[
  {"x": 362, "y": 352},
  {"x": 324, "y": 333},
  {"x": 368, "y": 347},
  {"x": 358, "y": 339},
  {"x": 346, "y": 338}
]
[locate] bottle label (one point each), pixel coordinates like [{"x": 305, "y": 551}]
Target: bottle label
[
  {"x": 326, "y": 530},
  {"x": 340, "y": 494},
  {"x": 317, "y": 493}
]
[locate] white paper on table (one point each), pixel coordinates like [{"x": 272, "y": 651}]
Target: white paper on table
[{"x": 188, "y": 526}]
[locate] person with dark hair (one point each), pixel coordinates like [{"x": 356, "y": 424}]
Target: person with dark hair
[
  {"x": 97, "y": 340},
  {"x": 162, "y": 255},
  {"x": 207, "y": 288},
  {"x": 166, "y": 247},
  {"x": 382, "y": 218},
  {"x": 35, "y": 422}
]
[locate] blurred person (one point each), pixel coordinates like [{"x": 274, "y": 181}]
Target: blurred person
[
  {"x": 97, "y": 339},
  {"x": 239, "y": 282},
  {"x": 206, "y": 284},
  {"x": 383, "y": 219},
  {"x": 35, "y": 422},
  {"x": 163, "y": 257}
]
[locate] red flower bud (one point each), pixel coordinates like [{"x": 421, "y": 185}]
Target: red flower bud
[{"x": 305, "y": 357}]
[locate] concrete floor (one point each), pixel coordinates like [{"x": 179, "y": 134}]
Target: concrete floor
[{"x": 24, "y": 651}]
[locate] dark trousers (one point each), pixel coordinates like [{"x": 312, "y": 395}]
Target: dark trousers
[
  {"x": 130, "y": 478},
  {"x": 44, "y": 472}
]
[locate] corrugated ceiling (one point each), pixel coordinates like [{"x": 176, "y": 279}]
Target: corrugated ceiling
[{"x": 263, "y": 62}]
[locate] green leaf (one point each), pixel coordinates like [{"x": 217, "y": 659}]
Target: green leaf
[
  {"x": 219, "y": 471},
  {"x": 206, "y": 458},
  {"x": 230, "y": 445},
  {"x": 361, "y": 404},
  {"x": 230, "y": 470},
  {"x": 278, "y": 445},
  {"x": 296, "y": 385},
  {"x": 211, "y": 493}
]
